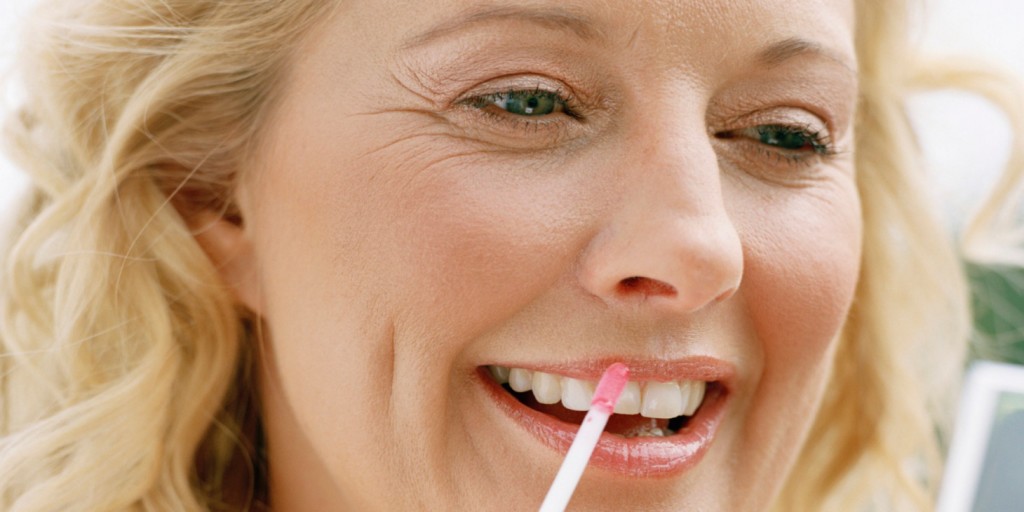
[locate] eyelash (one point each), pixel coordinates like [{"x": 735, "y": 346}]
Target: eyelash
[
  {"x": 565, "y": 101},
  {"x": 822, "y": 147}
]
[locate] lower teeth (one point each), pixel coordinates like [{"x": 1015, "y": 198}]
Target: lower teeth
[{"x": 648, "y": 430}]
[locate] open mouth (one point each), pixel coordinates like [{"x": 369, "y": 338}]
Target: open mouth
[
  {"x": 645, "y": 409},
  {"x": 660, "y": 427}
]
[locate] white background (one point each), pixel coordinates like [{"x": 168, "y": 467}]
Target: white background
[{"x": 965, "y": 139}]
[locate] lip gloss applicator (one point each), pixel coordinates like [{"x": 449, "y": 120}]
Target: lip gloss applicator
[{"x": 612, "y": 382}]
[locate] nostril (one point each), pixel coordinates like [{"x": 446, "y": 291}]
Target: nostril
[{"x": 646, "y": 287}]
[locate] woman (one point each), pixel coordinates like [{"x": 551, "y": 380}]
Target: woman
[{"x": 370, "y": 256}]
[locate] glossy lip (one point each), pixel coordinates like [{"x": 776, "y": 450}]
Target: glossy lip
[{"x": 638, "y": 457}]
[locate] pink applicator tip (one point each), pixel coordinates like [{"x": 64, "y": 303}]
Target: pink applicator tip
[
  {"x": 612, "y": 382},
  {"x": 610, "y": 387}
]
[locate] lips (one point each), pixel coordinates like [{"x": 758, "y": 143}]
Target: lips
[{"x": 662, "y": 442}]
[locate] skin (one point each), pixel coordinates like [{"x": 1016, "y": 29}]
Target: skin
[{"x": 397, "y": 237}]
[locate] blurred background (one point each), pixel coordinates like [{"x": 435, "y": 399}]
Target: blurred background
[{"x": 965, "y": 140}]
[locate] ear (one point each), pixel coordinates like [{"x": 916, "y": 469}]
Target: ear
[{"x": 226, "y": 243}]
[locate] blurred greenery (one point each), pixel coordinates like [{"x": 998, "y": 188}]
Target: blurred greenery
[{"x": 997, "y": 295}]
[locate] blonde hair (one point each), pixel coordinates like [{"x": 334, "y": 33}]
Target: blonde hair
[
  {"x": 124, "y": 380},
  {"x": 876, "y": 442},
  {"x": 125, "y": 368}
]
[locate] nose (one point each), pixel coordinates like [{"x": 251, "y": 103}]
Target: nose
[{"x": 668, "y": 242}]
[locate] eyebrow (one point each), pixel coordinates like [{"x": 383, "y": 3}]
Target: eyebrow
[
  {"x": 786, "y": 49},
  {"x": 557, "y": 18}
]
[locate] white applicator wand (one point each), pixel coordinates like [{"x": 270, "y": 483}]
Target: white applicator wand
[{"x": 608, "y": 390}]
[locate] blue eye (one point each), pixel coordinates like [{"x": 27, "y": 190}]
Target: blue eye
[
  {"x": 529, "y": 103},
  {"x": 525, "y": 103},
  {"x": 790, "y": 144},
  {"x": 789, "y": 138}
]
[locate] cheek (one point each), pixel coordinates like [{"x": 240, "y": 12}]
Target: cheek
[
  {"x": 801, "y": 257},
  {"x": 802, "y": 263},
  {"x": 802, "y": 260},
  {"x": 484, "y": 240}
]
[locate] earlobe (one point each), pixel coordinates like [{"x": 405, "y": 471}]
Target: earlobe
[{"x": 230, "y": 250}]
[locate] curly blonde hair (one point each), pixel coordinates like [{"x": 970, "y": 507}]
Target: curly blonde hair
[{"x": 126, "y": 367}]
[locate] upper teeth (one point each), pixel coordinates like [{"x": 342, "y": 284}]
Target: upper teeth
[{"x": 662, "y": 400}]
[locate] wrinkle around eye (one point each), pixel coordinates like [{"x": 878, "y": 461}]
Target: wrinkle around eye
[
  {"x": 415, "y": 160},
  {"x": 469, "y": 124},
  {"x": 414, "y": 81},
  {"x": 414, "y": 143},
  {"x": 455, "y": 130},
  {"x": 442, "y": 76},
  {"x": 423, "y": 148},
  {"x": 436, "y": 82},
  {"x": 752, "y": 170}
]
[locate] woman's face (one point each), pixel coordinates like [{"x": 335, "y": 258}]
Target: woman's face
[{"x": 454, "y": 193}]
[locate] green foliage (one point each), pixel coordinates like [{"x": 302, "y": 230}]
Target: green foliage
[{"x": 997, "y": 296}]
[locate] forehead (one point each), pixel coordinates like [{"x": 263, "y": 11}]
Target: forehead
[{"x": 678, "y": 30}]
